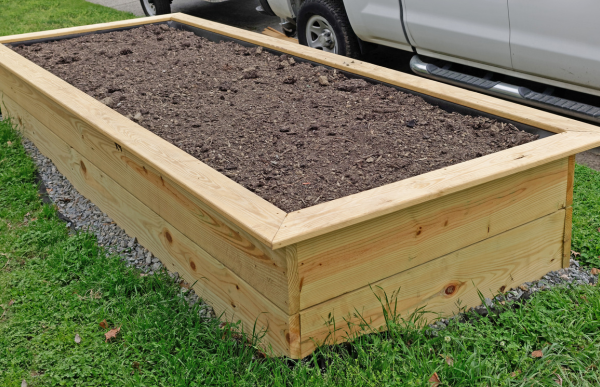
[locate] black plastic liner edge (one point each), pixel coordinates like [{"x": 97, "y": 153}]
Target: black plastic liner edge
[{"x": 447, "y": 106}]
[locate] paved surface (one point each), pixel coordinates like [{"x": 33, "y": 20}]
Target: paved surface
[{"x": 238, "y": 13}]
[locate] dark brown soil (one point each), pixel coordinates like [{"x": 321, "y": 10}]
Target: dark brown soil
[{"x": 295, "y": 134}]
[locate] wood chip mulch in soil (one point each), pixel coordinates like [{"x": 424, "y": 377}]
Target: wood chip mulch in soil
[{"x": 293, "y": 133}]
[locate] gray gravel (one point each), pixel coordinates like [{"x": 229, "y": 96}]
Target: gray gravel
[
  {"x": 573, "y": 275},
  {"x": 83, "y": 215}
]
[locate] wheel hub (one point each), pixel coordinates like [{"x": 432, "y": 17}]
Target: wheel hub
[
  {"x": 320, "y": 35},
  {"x": 326, "y": 40}
]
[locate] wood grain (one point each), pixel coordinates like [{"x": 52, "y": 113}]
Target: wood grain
[
  {"x": 361, "y": 207},
  {"x": 493, "y": 265},
  {"x": 353, "y": 257},
  {"x": 484, "y": 103},
  {"x": 83, "y": 29},
  {"x": 214, "y": 282},
  {"x": 234, "y": 246}
]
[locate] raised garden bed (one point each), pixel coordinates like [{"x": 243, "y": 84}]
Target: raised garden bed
[{"x": 489, "y": 223}]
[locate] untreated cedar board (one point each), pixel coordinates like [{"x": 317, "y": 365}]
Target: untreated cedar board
[
  {"x": 363, "y": 206},
  {"x": 215, "y": 283},
  {"x": 505, "y": 260},
  {"x": 499, "y": 107},
  {"x": 254, "y": 261},
  {"x": 355, "y": 256}
]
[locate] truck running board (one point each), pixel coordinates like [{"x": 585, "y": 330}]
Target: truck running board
[{"x": 505, "y": 90}]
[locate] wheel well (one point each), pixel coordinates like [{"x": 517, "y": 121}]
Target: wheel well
[{"x": 296, "y": 4}]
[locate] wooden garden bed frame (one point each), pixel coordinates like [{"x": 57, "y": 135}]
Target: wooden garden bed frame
[{"x": 488, "y": 224}]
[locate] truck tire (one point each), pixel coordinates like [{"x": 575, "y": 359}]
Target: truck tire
[
  {"x": 156, "y": 7},
  {"x": 324, "y": 25}
]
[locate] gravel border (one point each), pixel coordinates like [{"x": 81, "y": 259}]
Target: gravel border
[{"x": 82, "y": 215}]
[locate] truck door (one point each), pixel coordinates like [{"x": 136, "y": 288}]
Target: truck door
[
  {"x": 476, "y": 30},
  {"x": 377, "y": 21},
  {"x": 557, "y": 39}
]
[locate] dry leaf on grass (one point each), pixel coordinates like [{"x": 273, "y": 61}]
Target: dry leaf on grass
[
  {"x": 11, "y": 302},
  {"x": 595, "y": 271},
  {"x": 575, "y": 253},
  {"x": 23, "y": 383},
  {"x": 9, "y": 143},
  {"x": 537, "y": 354},
  {"x": 77, "y": 339},
  {"x": 103, "y": 324},
  {"x": 448, "y": 359},
  {"x": 434, "y": 380},
  {"x": 112, "y": 334}
]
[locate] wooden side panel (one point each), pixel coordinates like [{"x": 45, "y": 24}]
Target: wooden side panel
[
  {"x": 493, "y": 265},
  {"x": 215, "y": 283},
  {"x": 244, "y": 254},
  {"x": 353, "y": 257},
  {"x": 363, "y": 206}
]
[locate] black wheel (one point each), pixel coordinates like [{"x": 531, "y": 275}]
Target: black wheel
[
  {"x": 324, "y": 25},
  {"x": 156, "y": 7}
]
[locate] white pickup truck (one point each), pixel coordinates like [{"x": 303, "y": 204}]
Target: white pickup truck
[{"x": 550, "y": 42}]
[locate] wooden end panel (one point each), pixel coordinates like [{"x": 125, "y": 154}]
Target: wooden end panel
[
  {"x": 353, "y": 257},
  {"x": 255, "y": 262},
  {"x": 496, "y": 264},
  {"x": 215, "y": 283}
]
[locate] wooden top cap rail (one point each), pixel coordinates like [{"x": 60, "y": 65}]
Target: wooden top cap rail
[{"x": 255, "y": 215}]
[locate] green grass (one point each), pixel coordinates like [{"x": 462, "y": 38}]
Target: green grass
[
  {"x": 586, "y": 215},
  {"x": 21, "y": 16},
  {"x": 52, "y": 275}
]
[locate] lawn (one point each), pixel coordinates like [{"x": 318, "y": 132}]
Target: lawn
[
  {"x": 21, "y": 16},
  {"x": 60, "y": 295}
]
